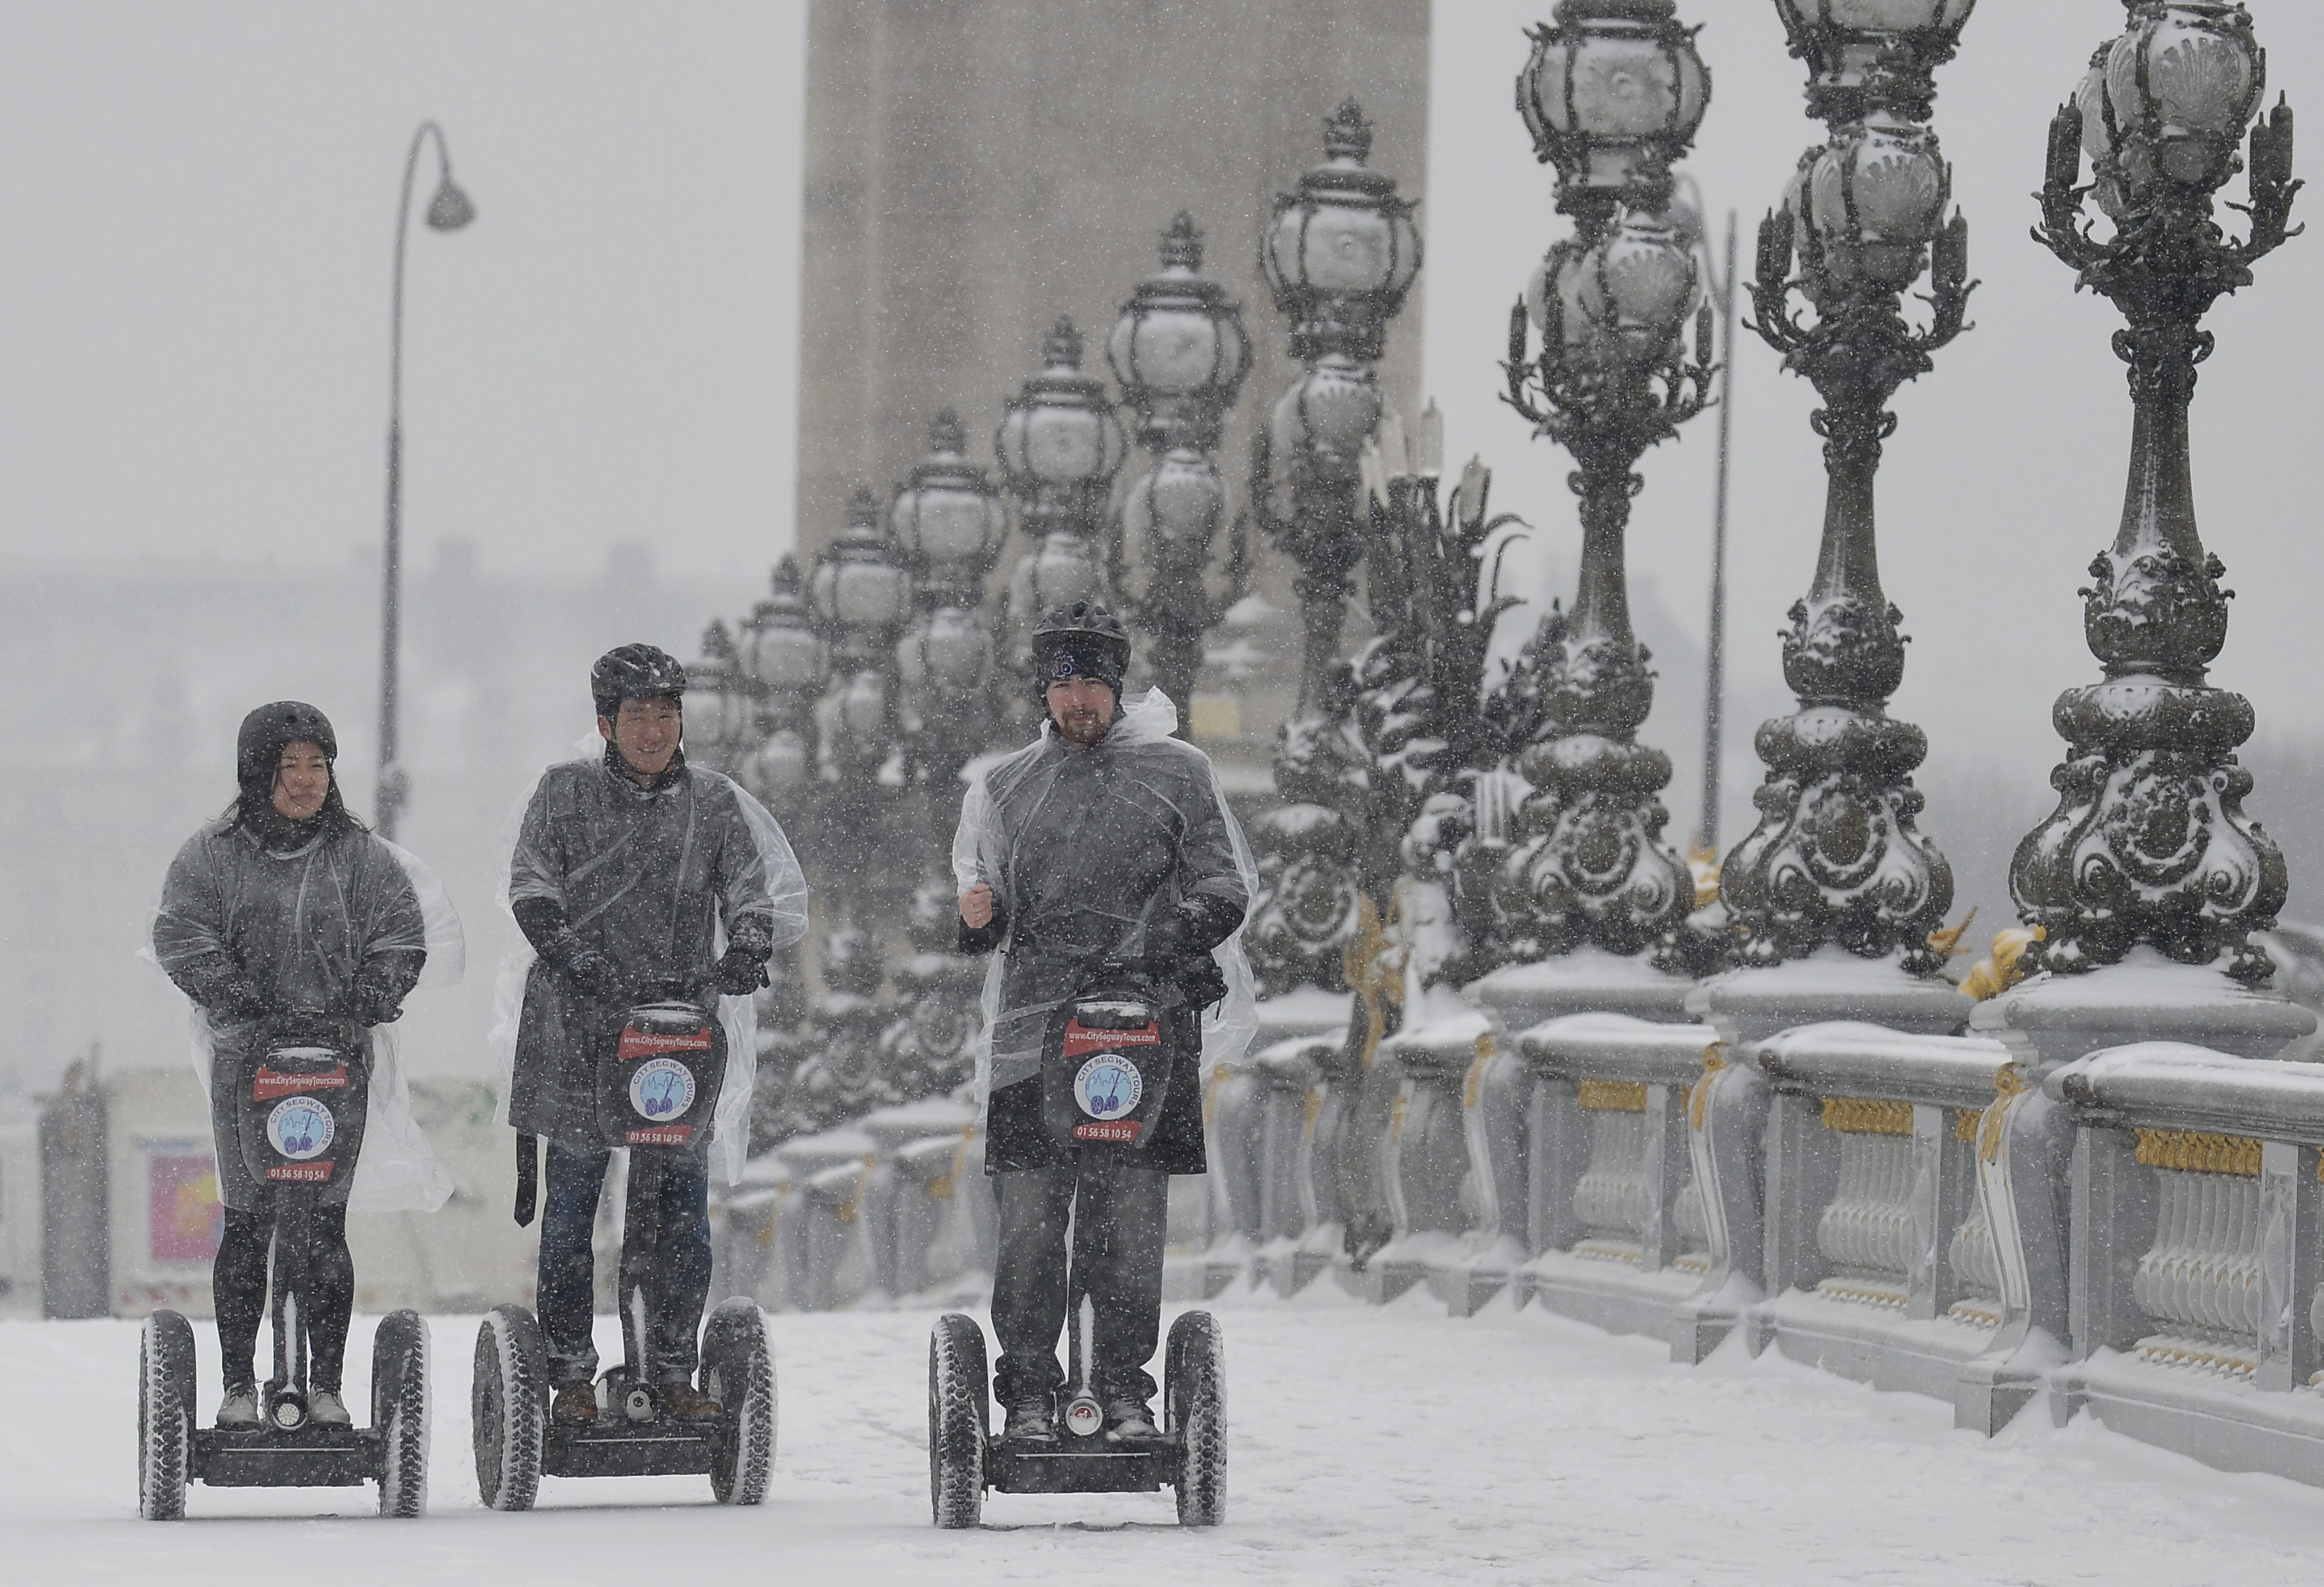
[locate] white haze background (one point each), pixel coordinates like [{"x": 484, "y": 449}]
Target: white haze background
[{"x": 600, "y": 412}]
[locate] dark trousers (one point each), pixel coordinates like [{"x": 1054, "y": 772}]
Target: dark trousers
[
  {"x": 1118, "y": 1215},
  {"x": 665, "y": 1261},
  {"x": 238, "y": 1291}
]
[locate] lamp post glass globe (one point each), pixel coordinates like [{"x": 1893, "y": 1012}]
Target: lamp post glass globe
[
  {"x": 1877, "y": 197},
  {"x": 2171, "y": 99},
  {"x": 1613, "y": 96}
]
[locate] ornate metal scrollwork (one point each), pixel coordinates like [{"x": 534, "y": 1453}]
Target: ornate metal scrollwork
[{"x": 2149, "y": 844}]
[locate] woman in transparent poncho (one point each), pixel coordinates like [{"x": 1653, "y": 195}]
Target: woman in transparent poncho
[
  {"x": 1105, "y": 841},
  {"x": 286, "y": 907}
]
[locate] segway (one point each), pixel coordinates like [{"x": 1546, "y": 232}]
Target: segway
[
  {"x": 657, "y": 1090},
  {"x": 964, "y": 1457},
  {"x": 1106, "y": 1066},
  {"x": 302, "y": 1109}
]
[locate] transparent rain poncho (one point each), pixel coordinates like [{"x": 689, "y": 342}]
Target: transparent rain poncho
[
  {"x": 1094, "y": 855},
  {"x": 299, "y": 925},
  {"x": 647, "y": 899}
]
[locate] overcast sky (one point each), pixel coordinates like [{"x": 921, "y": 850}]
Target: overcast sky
[
  {"x": 199, "y": 207},
  {"x": 200, "y": 204}
]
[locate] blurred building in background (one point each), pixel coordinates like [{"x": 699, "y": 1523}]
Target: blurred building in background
[{"x": 977, "y": 168}]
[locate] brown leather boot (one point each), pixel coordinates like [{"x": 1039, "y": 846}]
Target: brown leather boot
[
  {"x": 682, "y": 1402},
  {"x": 575, "y": 1405}
]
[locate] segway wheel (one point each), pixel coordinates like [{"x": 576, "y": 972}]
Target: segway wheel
[
  {"x": 1194, "y": 1390},
  {"x": 165, "y": 1415},
  {"x": 739, "y": 1372},
  {"x": 958, "y": 1405},
  {"x": 399, "y": 1412},
  {"x": 507, "y": 1400}
]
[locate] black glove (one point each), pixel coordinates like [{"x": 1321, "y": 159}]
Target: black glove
[
  {"x": 743, "y": 968},
  {"x": 743, "y": 971},
  {"x": 373, "y": 1005},
  {"x": 224, "y": 991},
  {"x": 593, "y": 973}
]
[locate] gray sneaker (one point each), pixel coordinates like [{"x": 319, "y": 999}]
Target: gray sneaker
[
  {"x": 239, "y": 1408},
  {"x": 325, "y": 1408}
]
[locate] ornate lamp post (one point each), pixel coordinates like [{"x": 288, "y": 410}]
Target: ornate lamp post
[
  {"x": 1059, "y": 447},
  {"x": 2149, "y": 844},
  {"x": 783, "y": 653},
  {"x": 1180, "y": 352},
  {"x": 1613, "y": 95},
  {"x": 950, "y": 522},
  {"x": 450, "y": 209},
  {"x": 1339, "y": 254},
  {"x": 1835, "y": 858},
  {"x": 862, "y": 595}
]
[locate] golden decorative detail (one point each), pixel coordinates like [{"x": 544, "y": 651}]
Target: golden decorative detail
[
  {"x": 1395, "y": 1118},
  {"x": 1977, "y": 1311},
  {"x": 1692, "y": 1262},
  {"x": 1612, "y": 1097},
  {"x": 1376, "y": 982},
  {"x": 1698, "y": 1096},
  {"x": 1851, "y": 1115},
  {"x": 2189, "y": 1151},
  {"x": 855, "y": 1202},
  {"x": 2170, "y": 1350},
  {"x": 2008, "y": 1080},
  {"x": 1477, "y": 1067},
  {"x": 1965, "y": 1122},
  {"x": 1870, "y": 1292},
  {"x": 2000, "y": 970},
  {"x": 1314, "y": 1106},
  {"x": 1703, "y": 865},
  {"x": 1219, "y": 1074},
  {"x": 1945, "y": 941},
  {"x": 1598, "y": 1249},
  {"x": 942, "y": 1187}
]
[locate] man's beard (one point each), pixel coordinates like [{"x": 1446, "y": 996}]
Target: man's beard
[{"x": 1085, "y": 730}]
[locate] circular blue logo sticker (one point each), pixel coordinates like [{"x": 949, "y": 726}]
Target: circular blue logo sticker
[
  {"x": 1108, "y": 1087},
  {"x": 1063, "y": 666},
  {"x": 661, "y": 1089},
  {"x": 301, "y": 1128}
]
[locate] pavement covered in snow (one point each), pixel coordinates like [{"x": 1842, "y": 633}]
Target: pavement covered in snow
[{"x": 1368, "y": 1446}]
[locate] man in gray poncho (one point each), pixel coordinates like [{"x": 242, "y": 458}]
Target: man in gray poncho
[
  {"x": 1098, "y": 845},
  {"x": 626, "y": 870}
]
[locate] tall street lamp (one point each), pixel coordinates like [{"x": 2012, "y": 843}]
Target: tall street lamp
[
  {"x": 1338, "y": 254},
  {"x": 1836, "y": 858},
  {"x": 1613, "y": 95},
  {"x": 1180, "y": 352},
  {"x": 2150, "y": 845},
  {"x": 448, "y": 211},
  {"x": 1059, "y": 447}
]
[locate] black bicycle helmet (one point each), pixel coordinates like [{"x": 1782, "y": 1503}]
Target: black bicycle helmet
[
  {"x": 1083, "y": 639},
  {"x": 258, "y": 749},
  {"x": 634, "y": 672}
]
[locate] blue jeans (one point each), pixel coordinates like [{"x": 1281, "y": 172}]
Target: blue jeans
[{"x": 665, "y": 1261}]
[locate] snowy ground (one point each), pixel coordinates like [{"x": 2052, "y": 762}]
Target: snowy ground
[{"x": 1368, "y": 1446}]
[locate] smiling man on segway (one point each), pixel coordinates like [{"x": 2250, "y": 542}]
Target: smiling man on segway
[
  {"x": 1103, "y": 863},
  {"x": 628, "y": 870},
  {"x": 298, "y": 933}
]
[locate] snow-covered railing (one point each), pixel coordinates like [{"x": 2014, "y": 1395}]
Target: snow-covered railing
[
  {"x": 1446, "y": 1216},
  {"x": 2193, "y": 1299},
  {"x": 1616, "y": 1231},
  {"x": 882, "y": 1208}
]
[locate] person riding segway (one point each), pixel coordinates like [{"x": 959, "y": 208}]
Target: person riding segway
[
  {"x": 1102, "y": 864},
  {"x": 636, "y": 1035},
  {"x": 297, "y": 933}
]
